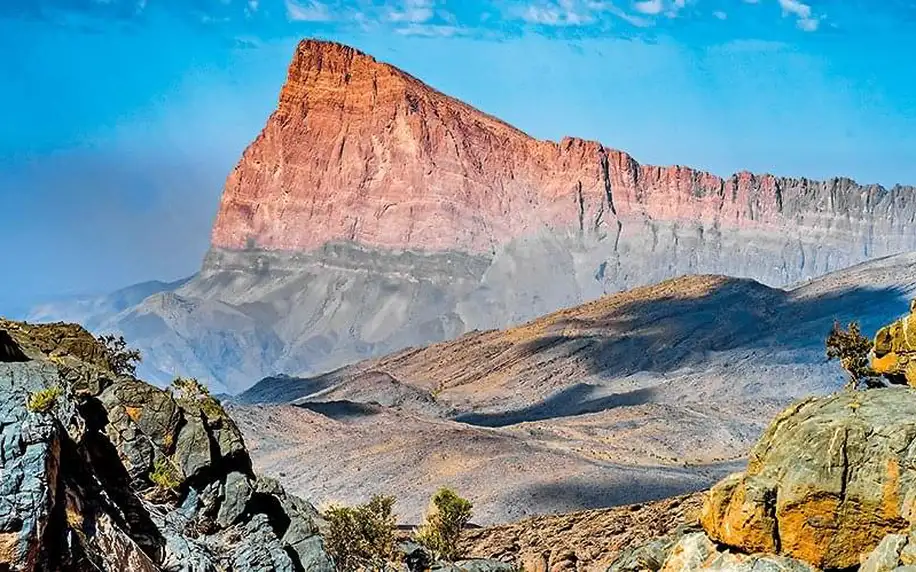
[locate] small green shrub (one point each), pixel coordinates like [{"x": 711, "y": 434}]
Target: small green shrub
[
  {"x": 447, "y": 516},
  {"x": 361, "y": 536},
  {"x": 121, "y": 359},
  {"x": 44, "y": 400},
  {"x": 188, "y": 390},
  {"x": 852, "y": 349},
  {"x": 164, "y": 475}
]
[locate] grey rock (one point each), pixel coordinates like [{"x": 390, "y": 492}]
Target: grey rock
[
  {"x": 415, "y": 556},
  {"x": 236, "y": 493},
  {"x": 697, "y": 553},
  {"x": 475, "y": 565},
  {"x": 886, "y": 556},
  {"x": 228, "y": 439},
  {"x": 29, "y": 458},
  {"x": 312, "y": 554},
  {"x": 483, "y": 565},
  {"x": 94, "y": 465},
  {"x": 192, "y": 449},
  {"x": 649, "y": 557},
  {"x": 260, "y": 550}
]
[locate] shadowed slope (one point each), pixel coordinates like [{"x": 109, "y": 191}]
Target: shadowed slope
[{"x": 680, "y": 376}]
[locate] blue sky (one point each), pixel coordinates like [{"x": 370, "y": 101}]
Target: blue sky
[{"x": 122, "y": 118}]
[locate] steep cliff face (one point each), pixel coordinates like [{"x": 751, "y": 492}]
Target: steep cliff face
[{"x": 361, "y": 151}]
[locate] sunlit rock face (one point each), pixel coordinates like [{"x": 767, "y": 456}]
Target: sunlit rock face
[{"x": 360, "y": 151}]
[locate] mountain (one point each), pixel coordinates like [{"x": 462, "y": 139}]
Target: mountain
[
  {"x": 655, "y": 391},
  {"x": 89, "y": 310},
  {"x": 374, "y": 213}
]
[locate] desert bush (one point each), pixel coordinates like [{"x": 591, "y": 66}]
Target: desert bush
[
  {"x": 361, "y": 536},
  {"x": 188, "y": 390},
  {"x": 44, "y": 400},
  {"x": 852, "y": 349},
  {"x": 447, "y": 516},
  {"x": 164, "y": 475},
  {"x": 121, "y": 359}
]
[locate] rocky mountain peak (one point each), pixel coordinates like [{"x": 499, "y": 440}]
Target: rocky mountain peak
[{"x": 360, "y": 151}]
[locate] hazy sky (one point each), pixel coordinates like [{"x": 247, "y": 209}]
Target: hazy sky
[{"x": 122, "y": 118}]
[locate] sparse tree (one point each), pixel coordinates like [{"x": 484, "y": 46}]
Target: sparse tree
[
  {"x": 852, "y": 349},
  {"x": 448, "y": 514},
  {"x": 121, "y": 359},
  {"x": 361, "y": 537}
]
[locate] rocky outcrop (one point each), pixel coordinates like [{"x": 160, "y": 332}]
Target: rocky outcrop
[
  {"x": 687, "y": 550},
  {"x": 109, "y": 473},
  {"x": 895, "y": 350},
  {"x": 826, "y": 483},
  {"x": 589, "y": 541}
]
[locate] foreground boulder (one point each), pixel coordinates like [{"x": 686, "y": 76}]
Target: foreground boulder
[
  {"x": 687, "y": 550},
  {"x": 829, "y": 479},
  {"x": 897, "y": 552},
  {"x": 100, "y": 471},
  {"x": 895, "y": 350}
]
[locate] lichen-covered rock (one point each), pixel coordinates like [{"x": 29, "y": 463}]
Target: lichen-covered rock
[
  {"x": 77, "y": 472},
  {"x": 895, "y": 349},
  {"x": 829, "y": 479}
]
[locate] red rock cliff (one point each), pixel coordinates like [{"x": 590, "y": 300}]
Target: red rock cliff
[{"x": 359, "y": 150}]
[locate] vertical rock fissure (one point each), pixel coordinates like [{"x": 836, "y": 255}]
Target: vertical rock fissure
[
  {"x": 606, "y": 176},
  {"x": 581, "y": 203}
]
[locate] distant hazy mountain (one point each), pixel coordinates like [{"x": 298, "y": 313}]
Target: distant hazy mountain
[{"x": 93, "y": 311}]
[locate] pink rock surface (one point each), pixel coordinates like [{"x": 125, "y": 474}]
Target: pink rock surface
[{"x": 359, "y": 150}]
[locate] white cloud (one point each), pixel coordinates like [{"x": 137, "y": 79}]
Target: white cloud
[
  {"x": 413, "y": 11},
  {"x": 805, "y": 17},
  {"x": 650, "y": 7},
  {"x": 670, "y": 8},
  {"x": 308, "y": 11},
  {"x": 561, "y": 13},
  {"x": 720, "y": 15},
  {"x": 429, "y": 30}
]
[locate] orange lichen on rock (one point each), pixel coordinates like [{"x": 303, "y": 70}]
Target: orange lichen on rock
[{"x": 826, "y": 481}]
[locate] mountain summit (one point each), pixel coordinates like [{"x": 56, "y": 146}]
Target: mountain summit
[
  {"x": 374, "y": 213},
  {"x": 360, "y": 151}
]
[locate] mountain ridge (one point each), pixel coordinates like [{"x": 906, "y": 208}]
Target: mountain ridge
[
  {"x": 354, "y": 141},
  {"x": 374, "y": 213}
]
